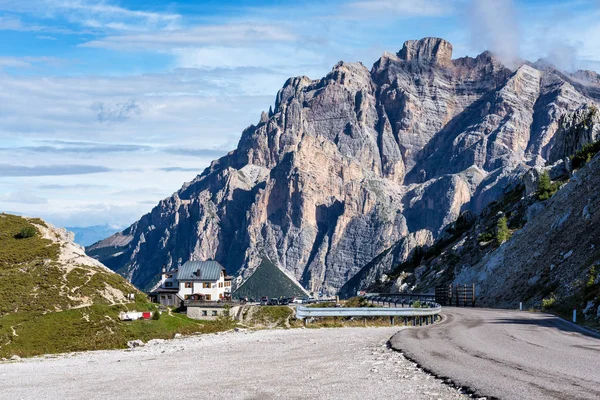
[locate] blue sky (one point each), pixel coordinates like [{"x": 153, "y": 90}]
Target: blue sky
[{"x": 108, "y": 106}]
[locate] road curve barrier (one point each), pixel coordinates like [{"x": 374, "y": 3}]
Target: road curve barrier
[{"x": 309, "y": 312}]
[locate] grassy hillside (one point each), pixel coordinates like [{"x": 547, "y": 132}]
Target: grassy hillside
[
  {"x": 268, "y": 280},
  {"x": 53, "y": 299}
]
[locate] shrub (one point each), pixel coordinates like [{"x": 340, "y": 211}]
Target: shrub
[
  {"x": 417, "y": 304},
  {"x": 546, "y": 188},
  {"x": 156, "y": 315},
  {"x": 486, "y": 236},
  {"x": 584, "y": 155},
  {"x": 27, "y": 232},
  {"x": 549, "y": 302},
  {"x": 502, "y": 232}
]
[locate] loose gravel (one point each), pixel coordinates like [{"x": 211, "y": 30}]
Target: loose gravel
[{"x": 342, "y": 363}]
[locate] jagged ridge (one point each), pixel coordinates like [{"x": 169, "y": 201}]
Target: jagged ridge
[{"x": 345, "y": 166}]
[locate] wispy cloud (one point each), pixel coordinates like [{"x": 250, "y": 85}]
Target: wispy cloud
[
  {"x": 116, "y": 112},
  {"x": 80, "y": 186},
  {"x": 95, "y": 14},
  {"x": 398, "y": 8},
  {"x": 29, "y": 62},
  {"x": 181, "y": 169},
  {"x": 495, "y": 26},
  {"x": 232, "y": 34},
  {"x": 7, "y": 170},
  {"x": 22, "y": 198}
]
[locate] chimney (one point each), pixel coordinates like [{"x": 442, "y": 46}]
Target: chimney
[
  {"x": 164, "y": 270},
  {"x": 198, "y": 272}
]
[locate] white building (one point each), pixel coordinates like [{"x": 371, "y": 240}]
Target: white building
[{"x": 194, "y": 280}]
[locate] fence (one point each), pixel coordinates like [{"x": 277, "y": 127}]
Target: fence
[{"x": 456, "y": 295}]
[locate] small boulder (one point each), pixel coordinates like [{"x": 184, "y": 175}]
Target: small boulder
[
  {"x": 177, "y": 336},
  {"x": 135, "y": 343},
  {"x": 15, "y": 358}
]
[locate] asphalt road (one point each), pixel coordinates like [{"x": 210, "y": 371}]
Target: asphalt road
[{"x": 508, "y": 354}]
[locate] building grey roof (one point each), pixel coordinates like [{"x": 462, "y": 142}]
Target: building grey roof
[{"x": 200, "y": 271}]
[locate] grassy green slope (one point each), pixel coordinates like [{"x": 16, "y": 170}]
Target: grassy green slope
[
  {"x": 268, "y": 280},
  {"x": 49, "y": 307}
]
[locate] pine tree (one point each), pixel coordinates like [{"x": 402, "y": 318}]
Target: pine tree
[
  {"x": 545, "y": 187},
  {"x": 502, "y": 232}
]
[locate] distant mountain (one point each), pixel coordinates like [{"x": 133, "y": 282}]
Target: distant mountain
[
  {"x": 347, "y": 167},
  {"x": 89, "y": 235}
]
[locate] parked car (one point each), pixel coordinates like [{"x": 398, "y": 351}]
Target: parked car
[
  {"x": 264, "y": 301},
  {"x": 273, "y": 302},
  {"x": 284, "y": 301},
  {"x": 243, "y": 299},
  {"x": 296, "y": 300}
]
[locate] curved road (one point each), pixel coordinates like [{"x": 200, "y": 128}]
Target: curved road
[{"x": 508, "y": 354}]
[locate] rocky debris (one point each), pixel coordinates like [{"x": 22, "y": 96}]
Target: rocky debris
[
  {"x": 15, "y": 358},
  {"x": 132, "y": 344},
  {"x": 345, "y": 167}
]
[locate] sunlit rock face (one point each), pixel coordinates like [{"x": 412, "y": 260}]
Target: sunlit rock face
[{"x": 346, "y": 166}]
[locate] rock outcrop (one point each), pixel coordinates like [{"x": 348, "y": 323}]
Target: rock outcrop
[{"x": 346, "y": 166}]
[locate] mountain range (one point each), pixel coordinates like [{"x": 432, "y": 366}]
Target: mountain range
[{"x": 360, "y": 164}]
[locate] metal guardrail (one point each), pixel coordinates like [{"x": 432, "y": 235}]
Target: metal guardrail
[{"x": 308, "y": 312}]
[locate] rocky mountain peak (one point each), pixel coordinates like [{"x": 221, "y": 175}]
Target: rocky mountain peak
[
  {"x": 347, "y": 165},
  {"x": 427, "y": 50}
]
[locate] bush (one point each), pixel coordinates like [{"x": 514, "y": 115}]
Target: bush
[
  {"x": 156, "y": 315},
  {"x": 502, "y": 232},
  {"x": 27, "y": 232}
]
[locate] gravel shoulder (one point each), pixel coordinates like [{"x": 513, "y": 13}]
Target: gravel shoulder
[
  {"x": 348, "y": 363},
  {"x": 508, "y": 354}
]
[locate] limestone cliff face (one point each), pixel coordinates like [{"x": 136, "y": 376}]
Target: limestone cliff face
[{"x": 346, "y": 166}]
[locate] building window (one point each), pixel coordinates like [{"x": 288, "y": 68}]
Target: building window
[
  {"x": 188, "y": 285},
  {"x": 214, "y": 313},
  {"x": 170, "y": 297},
  {"x": 168, "y": 284},
  {"x": 220, "y": 284},
  {"x": 227, "y": 283},
  {"x": 162, "y": 297},
  {"x": 207, "y": 297},
  {"x": 204, "y": 313},
  {"x": 206, "y": 285}
]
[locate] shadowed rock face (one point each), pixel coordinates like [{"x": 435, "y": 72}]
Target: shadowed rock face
[{"x": 346, "y": 166}]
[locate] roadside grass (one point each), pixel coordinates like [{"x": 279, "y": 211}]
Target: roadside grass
[
  {"x": 345, "y": 322},
  {"x": 269, "y": 315},
  {"x": 92, "y": 328}
]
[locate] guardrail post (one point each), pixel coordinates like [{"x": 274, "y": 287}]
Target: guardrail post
[{"x": 364, "y": 321}]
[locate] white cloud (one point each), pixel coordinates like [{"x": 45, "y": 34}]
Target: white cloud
[{"x": 398, "y": 8}]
